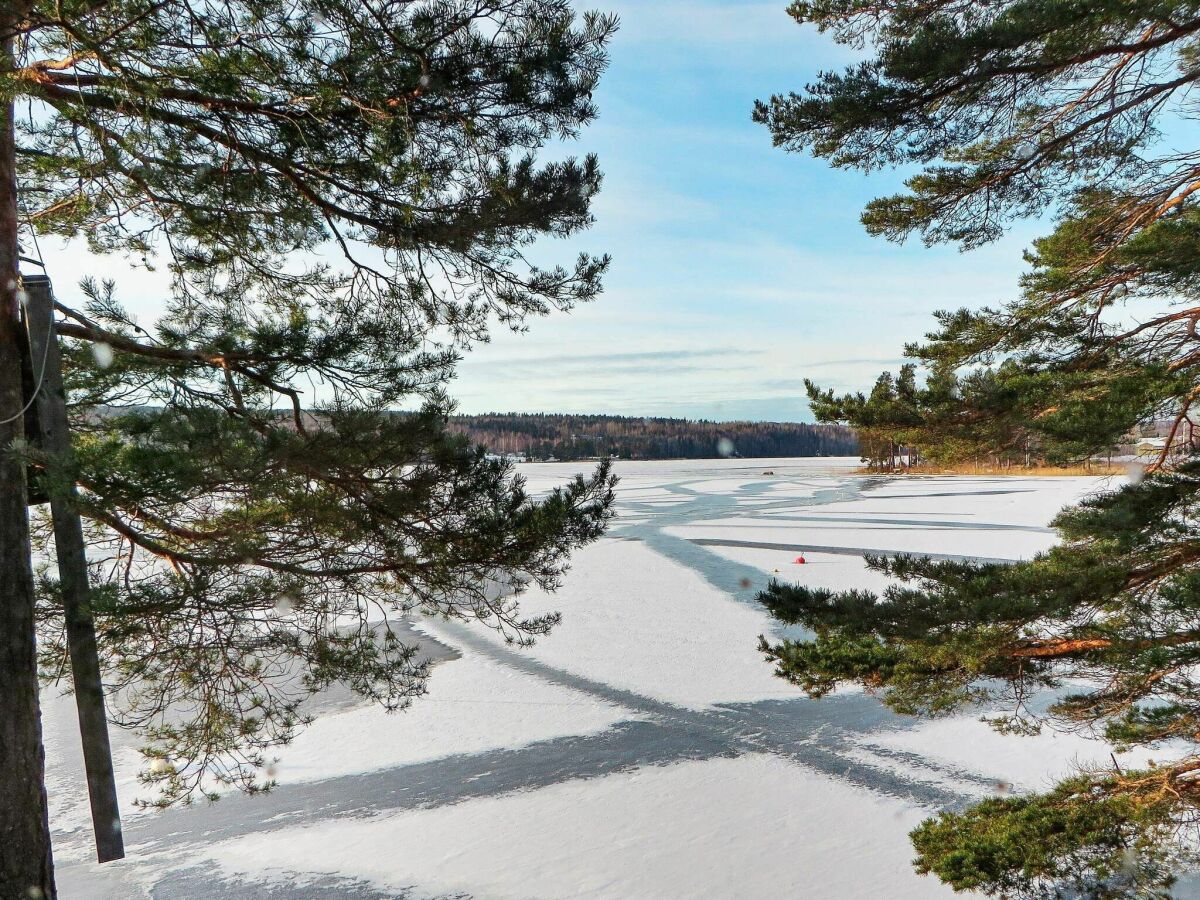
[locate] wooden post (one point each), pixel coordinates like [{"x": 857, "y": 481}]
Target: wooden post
[
  {"x": 55, "y": 439},
  {"x": 26, "y": 858}
]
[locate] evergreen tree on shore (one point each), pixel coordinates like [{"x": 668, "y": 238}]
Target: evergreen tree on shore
[
  {"x": 340, "y": 191},
  {"x": 996, "y": 414},
  {"x": 1017, "y": 108}
]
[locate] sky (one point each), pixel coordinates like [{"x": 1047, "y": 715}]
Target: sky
[{"x": 738, "y": 269}]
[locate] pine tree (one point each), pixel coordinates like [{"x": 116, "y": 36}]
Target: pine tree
[
  {"x": 1077, "y": 111},
  {"x": 342, "y": 193},
  {"x": 953, "y": 418},
  {"x": 889, "y": 420}
]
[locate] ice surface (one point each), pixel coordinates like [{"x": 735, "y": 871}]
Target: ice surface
[
  {"x": 642, "y": 750},
  {"x": 634, "y": 619},
  {"x": 720, "y": 829},
  {"x": 984, "y": 517},
  {"x": 1032, "y": 762},
  {"x": 474, "y": 704}
]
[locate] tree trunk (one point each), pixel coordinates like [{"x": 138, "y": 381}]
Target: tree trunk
[
  {"x": 73, "y": 575},
  {"x": 26, "y": 867}
]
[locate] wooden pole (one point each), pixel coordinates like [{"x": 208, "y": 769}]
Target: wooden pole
[
  {"x": 26, "y": 859},
  {"x": 72, "y": 570}
]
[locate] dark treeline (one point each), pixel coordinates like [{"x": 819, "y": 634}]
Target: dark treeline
[{"x": 546, "y": 435}]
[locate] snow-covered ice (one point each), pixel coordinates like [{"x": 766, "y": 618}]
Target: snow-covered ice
[
  {"x": 636, "y": 620},
  {"x": 647, "y": 833},
  {"x": 474, "y": 704},
  {"x": 643, "y": 750}
]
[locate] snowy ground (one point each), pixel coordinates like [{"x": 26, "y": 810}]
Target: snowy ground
[{"x": 643, "y": 750}]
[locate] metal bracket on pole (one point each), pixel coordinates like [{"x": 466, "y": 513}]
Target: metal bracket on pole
[{"x": 55, "y": 437}]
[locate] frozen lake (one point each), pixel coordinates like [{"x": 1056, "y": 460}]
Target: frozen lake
[{"x": 644, "y": 749}]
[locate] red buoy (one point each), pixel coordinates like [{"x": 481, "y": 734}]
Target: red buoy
[{"x": 800, "y": 560}]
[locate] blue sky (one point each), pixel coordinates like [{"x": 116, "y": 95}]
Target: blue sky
[{"x": 738, "y": 269}]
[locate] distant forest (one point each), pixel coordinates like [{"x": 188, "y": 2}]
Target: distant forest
[{"x": 558, "y": 436}]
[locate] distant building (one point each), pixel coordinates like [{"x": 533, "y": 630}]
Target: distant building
[{"x": 1150, "y": 446}]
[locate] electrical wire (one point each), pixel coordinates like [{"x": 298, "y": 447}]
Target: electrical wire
[{"x": 41, "y": 375}]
